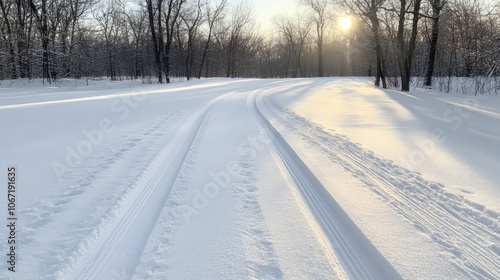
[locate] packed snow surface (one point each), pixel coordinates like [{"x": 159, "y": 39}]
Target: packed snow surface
[{"x": 244, "y": 178}]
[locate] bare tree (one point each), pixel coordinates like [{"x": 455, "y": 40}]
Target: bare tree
[
  {"x": 8, "y": 35},
  {"x": 23, "y": 39},
  {"x": 295, "y": 31},
  {"x": 368, "y": 10},
  {"x": 397, "y": 38},
  {"x": 171, "y": 14},
  {"x": 437, "y": 6},
  {"x": 111, "y": 22},
  {"x": 72, "y": 11},
  {"x": 137, "y": 22},
  {"x": 154, "y": 38},
  {"x": 213, "y": 15},
  {"x": 321, "y": 18},
  {"x": 41, "y": 17},
  {"x": 166, "y": 20},
  {"x": 406, "y": 47},
  {"x": 192, "y": 18},
  {"x": 234, "y": 38}
]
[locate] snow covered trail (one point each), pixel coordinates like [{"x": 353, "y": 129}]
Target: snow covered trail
[
  {"x": 238, "y": 240},
  {"x": 85, "y": 204},
  {"x": 137, "y": 215},
  {"x": 357, "y": 255},
  {"x": 467, "y": 230},
  {"x": 236, "y": 179}
]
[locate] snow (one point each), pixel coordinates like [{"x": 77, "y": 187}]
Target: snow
[
  {"x": 400, "y": 126},
  {"x": 325, "y": 178}
]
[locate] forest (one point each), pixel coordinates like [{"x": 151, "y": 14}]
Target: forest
[{"x": 155, "y": 40}]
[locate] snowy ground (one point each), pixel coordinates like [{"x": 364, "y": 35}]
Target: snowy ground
[{"x": 238, "y": 178}]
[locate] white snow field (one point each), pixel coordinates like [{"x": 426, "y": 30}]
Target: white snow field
[{"x": 325, "y": 178}]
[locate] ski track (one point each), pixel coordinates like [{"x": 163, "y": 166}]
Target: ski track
[
  {"x": 41, "y": 213},
  {"x": 357, "y": 255},
  {"x": 261, "y": 259},
  {"x": 468, "y": 231},
  {"x": 42, "y": 216},
  {"x": 139, "y": 212},
  {"x": 170, "y": 218}
]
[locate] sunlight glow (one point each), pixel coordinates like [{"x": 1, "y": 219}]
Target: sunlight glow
[{"x": 345, "y": 22}]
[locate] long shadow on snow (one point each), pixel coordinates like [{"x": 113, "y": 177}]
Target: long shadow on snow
[{"x": 470, "y": 138}]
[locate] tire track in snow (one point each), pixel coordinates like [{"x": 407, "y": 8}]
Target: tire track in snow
[
  {"x": 468, "y": 231},
  {"x": 354, "y": 255},
  {"x": 114, "y": 252}
]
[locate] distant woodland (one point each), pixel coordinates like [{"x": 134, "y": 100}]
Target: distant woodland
[{"x": 154, "y": 40}]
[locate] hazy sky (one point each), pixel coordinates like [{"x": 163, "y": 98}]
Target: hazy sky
[{"x": 266, "y": 9}]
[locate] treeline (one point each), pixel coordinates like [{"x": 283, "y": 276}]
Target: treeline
[{"x": 154, "y": 40}]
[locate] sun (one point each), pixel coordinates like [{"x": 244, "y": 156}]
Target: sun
[{"x": 345, "y": 22}]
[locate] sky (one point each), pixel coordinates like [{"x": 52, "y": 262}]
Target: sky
[{"x": 265, "y": 10}]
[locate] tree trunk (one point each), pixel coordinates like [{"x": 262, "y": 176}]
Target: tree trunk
[
  {"x": 320, "y": 59},
  {"x": 45, "y": 41},
  {"x": 205, "y": 51},
  {"x": 189, "y": 58},
  {"x": 155, "y": 41},
  {"x": 436, "y": 7},
  {"x": 320, "y": 50},
  {"x": 9, "y": 39},
  {"x": 378, "y": 52},
  {"x": 171, "y": 19},
  {"x": 161, "y": 48},
  {"x": 405, "y": 77},
  {"x": 406, "y": 56},
  {"x": 21, "y": 44}
]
